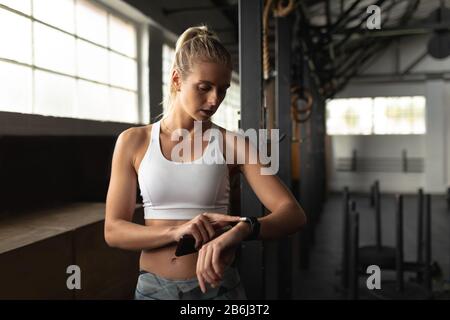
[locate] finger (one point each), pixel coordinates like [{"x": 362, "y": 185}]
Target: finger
[
  {"x": 208, "y": 227},
  {"x": 212, "y": 277},
  {"x": 197, "y": 235},
  {"x": 202, "y": 230},
  {"x": 221, "y": 220},
  {"x": 201, "y": 281},
  {"x": 220, "y": 216},
  {"x": 201, "y": 265},
  {"x": 207, "y": 278},
  {"x": 216, "y": 263}
]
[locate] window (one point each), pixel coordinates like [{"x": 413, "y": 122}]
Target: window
[
  {"x": 402, "y": 115},
  {"x": 68, "y": 58},
  {"x": 228, "y": 114},
  {"x": 380, "y": 115},
  {"x": 349, "y": 116}
]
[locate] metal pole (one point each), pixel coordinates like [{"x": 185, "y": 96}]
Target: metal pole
[
  {"x": 354, "y": 244},
  {"x": 250, "y": 47},
  {"x": 377, "y": 215},
  {"x": 420, "y": 232},
  {"x": 345, "y": 239},
  {"x": 428, "y": 281},
  {"x": 155, "y": 71},
  {"x": 284, "y": 124},
  {"x": 399, "y": 252}
]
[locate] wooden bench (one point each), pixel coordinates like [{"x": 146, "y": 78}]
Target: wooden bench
[{"x": 36, "y": 249}]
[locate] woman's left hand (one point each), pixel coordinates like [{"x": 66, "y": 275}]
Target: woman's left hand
[{"x": 216, "y": 255}]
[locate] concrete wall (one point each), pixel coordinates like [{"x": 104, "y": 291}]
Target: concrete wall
[
  {"x": 373, "y": 147},
  {"x": 379, "y": 79}
]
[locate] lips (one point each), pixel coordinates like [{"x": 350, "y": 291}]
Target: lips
[{"x": 207, "y": 112}]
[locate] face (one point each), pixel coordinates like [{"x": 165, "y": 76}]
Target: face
[{"x": 204, "y": 89}]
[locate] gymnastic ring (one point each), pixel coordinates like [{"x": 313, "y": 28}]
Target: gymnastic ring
[
  {"x": 295, "y": 95},
  {"x": 281, "y": 11}
]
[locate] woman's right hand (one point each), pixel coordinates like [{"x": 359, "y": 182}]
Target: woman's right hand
[{"x": 204, "y": 227}]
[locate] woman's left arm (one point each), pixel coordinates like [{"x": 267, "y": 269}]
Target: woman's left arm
[{"x": 285, "y": 217}]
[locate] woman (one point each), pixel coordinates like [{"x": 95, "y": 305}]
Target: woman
[{"x": 187, "y": 196}]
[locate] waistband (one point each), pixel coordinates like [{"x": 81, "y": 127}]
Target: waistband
[{"x": 230, "y": 271}]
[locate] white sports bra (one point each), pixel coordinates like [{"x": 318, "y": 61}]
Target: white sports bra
[{"x": 181, "y": 190}]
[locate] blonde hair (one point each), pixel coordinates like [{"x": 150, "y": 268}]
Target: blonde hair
[{"x": 196, "y": 44}]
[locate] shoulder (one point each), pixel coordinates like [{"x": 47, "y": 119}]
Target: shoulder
[
  {"x": 131, "y": 140},
  {"x": 134, "y": 135}
]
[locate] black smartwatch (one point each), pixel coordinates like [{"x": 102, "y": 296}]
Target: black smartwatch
[{"x": 254, "y": 227}]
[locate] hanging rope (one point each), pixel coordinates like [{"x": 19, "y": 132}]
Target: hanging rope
[
  {"x": 279, "y": 11},
  {"x": 266, "y": 57}
]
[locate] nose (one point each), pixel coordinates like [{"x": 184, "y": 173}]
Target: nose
[{"x": 213, "y": 98}]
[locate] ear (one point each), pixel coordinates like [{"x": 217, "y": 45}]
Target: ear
[{"x": 176, "y": 80}]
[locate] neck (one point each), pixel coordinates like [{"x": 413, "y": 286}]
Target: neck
[{"x": 178, "y": 119}]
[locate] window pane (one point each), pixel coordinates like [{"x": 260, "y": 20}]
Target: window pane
[
  {"x": 16, "y": 82},
  {"x": 19, "y": 5},
  {"x": 92, "y": 22},
  {"x": 54, "y": 94},
  {"x": 124, "y": 106},
  {"x": 92, "y": 62},
  {"x": 399, "y": 115},
  {"x": 123, "y": 71},
  {"x": 349, "y": 116},
  {"x": 58, "y": 13},
  {"x": 122, "y": 36},
  {"x": 93, "y": 101},
  {"x": 53, "y": 49},
  {"x": 227, "y": 115},
  {"x": 15, "y": 31}
]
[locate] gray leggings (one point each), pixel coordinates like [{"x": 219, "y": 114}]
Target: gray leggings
[{"x": 153, "y": 287}]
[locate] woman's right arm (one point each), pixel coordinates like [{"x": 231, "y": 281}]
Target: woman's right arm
[{"x": 120, "y": 231}]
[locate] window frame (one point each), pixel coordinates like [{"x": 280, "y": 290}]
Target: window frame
[{"x": 32, "y": 123}]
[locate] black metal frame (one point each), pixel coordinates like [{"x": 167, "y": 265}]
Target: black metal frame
[
  {"x": 250, "y": 50},
  {"x": 284, "y": 124}
]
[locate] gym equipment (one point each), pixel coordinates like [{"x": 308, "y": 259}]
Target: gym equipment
[
  {"x": 398, "y": 289},
  {"x": 383, "y": 256},
  {"x": 345, "y": 242}
]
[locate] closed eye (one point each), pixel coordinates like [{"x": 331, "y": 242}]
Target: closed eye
[{"x": 204, "y": 89}]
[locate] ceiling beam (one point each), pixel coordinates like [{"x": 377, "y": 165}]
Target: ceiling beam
[{"x": 171, "y": 11}]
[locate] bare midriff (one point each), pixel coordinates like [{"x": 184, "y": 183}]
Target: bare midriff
[{"x": 163, "y": 262}]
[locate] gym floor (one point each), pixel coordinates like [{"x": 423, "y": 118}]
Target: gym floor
[{"x": 321, "y": 280}]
